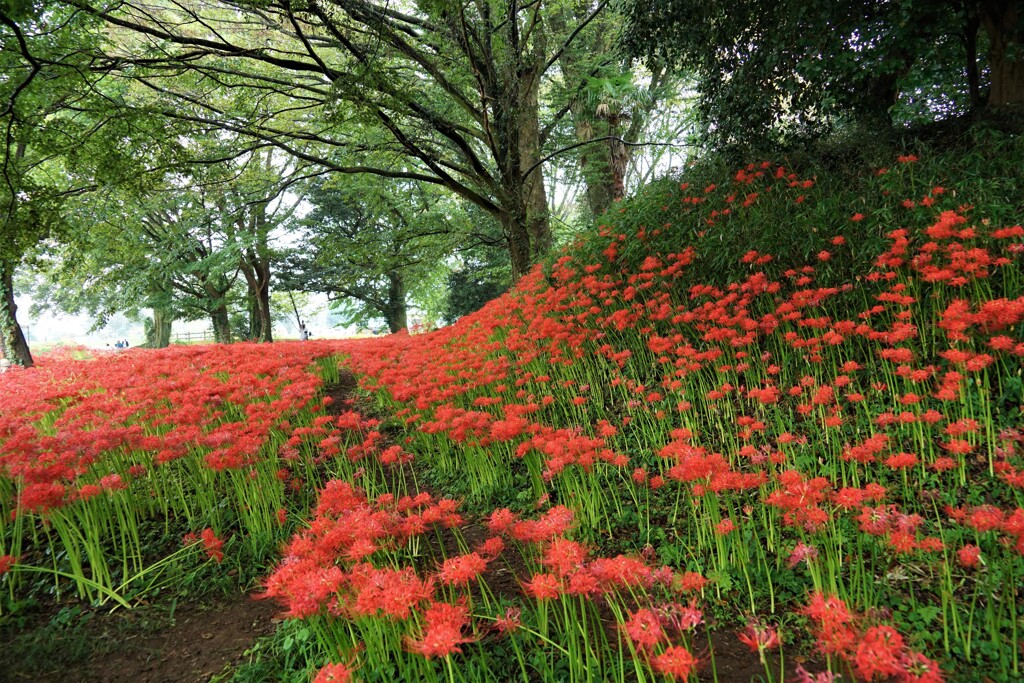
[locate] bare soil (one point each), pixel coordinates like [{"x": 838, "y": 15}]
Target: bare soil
[{"x": 193, "y": 644}]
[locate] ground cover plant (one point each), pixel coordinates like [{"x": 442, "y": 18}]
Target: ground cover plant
[{"x": 696, "y": 421}]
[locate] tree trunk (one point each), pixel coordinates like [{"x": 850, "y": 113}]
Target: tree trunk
[
  {"x": 258, "y": 295},
  {"x": 218, "y": 312},
  {"x": 618, "y": 153},
  {"x": 610, "y": 185},
  {"x": 535, "y": 201},
  {"x": 517, "y": 239},
  {"x": 256, "y": 269},
  {"x": 162, "y": 321},
  {"x": 252, "y": 331},
  {"x": 13, "y": 344},
  {"x": 12, "y": 340},
  {"x": 515, "y": 137},
  {"x": 396, "y": 314},
  {"x": 1002, "y": 22},
  {"x": 593, "y": 165},
  {"x": 221, "y": 325},
  {"x": 972, "y": 23},
  {"x": 262, "y": 300}
]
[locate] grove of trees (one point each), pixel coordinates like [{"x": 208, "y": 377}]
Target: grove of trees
[{"x": 185, "y": 158}]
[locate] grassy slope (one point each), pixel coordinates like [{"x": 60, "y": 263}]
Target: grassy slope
[{"x": 730, "y": 350}]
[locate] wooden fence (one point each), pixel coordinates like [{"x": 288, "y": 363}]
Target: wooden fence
[{"x": 205, "y": 335}]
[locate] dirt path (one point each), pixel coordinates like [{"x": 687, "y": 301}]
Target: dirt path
[
  {"x": 190, "y": 645},
  {"x": 201, "y": 643}
]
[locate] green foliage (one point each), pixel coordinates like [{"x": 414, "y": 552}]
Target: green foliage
[
  {"x": 183, "y": 244},
  {"x": 376, "y": 248},
  {"x": 290, "y": 655},
  {"x": 776, "y": 71},
  {"x": 483, "y": 273},
  {"x": 469, "y": 290}
]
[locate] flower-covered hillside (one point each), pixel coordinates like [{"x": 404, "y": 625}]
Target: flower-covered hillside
[
  {"x": 834, "y": 444},
  {"x": 758, "y": 407}
]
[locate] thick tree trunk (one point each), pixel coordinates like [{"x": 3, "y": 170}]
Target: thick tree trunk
[
  {"x": 397, "y": 312},
  {"x": 525, "y": 217},
  {"x": 259, "y": 304},
  {"x": 972, "y": 23},
  {"x": 535, "y": 201},
  {"x": 593, "y": 165},
  {"x": 263, "y": 303},
  {"x": 618, "y": 152},
  {"x": 221, "y": 325},
  {"x": 1002, "y": 21},
  {"x": 252, "y": 332},
  {"x": 162, "y": 322},
  {"x": 257, "y": 279},
  {"x": 517, "y": 239},
  {"x": 218, "y": 312},
  {"x": 604, "y": 168},
  {"x": 13, "y": 345}
]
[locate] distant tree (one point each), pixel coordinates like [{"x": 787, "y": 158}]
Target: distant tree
[
  {"x": 479, "y": 274},
  {"x": 372, "y": 245},
  {"x": 770, "y": 68},
  {"x": 181, "y": 246}
]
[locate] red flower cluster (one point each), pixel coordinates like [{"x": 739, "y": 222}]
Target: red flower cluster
[{"x": 876, "y": 653}]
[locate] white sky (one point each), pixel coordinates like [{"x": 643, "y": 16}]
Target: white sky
[{"x": 50, "y": 328}]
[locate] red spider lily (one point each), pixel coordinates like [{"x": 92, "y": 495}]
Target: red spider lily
[
  {"x": 691, "y": 581},
  {"x": 501, "y": 521},
  {"x": 544, "y": 587},
  {"x": 564, "y": 556},
  {"x": 879, "y": 653},
  {"x": 801, "y": 553},
  {"x": 213, "y": 545},
  {"x": 510, "y": 622},
  {"x": 644, "y": 629},
  {"x": 760, "y": 638},
  {"x": 804, "y": 676},
  {"x": 554, "y": 523},
  {"x": 393, "y": 592},
  {"x": 304, "y": 586},
  {"x": 491, "y": 548},
  {"x": 833, "y": 622},
  {"x": 442, "y": 632},
  {"x": 724, "y": 527},
  {"x": 919, "y": 669},
  {"x": 681, "y": 617},
  {"x": 459, "y": 571},
  {"x": 334, "y": 673},
  {"x": 799, "y": 499},
  {"x": 675, "y": 662}
]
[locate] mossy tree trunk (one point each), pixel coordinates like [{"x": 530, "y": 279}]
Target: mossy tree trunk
[
  {"x": 13, "y": 344},
  {"x": 162, "y": 322},
  {"x": 397, "y": 311}
]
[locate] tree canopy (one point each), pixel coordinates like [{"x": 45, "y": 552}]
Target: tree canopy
[
  {"x": 769, "y": 69},
  {"x": 445, "y": 93},
  {"x": 414, "y": 138}
]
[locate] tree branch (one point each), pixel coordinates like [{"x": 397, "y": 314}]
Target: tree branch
[{"x": 547, "y": 158}]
